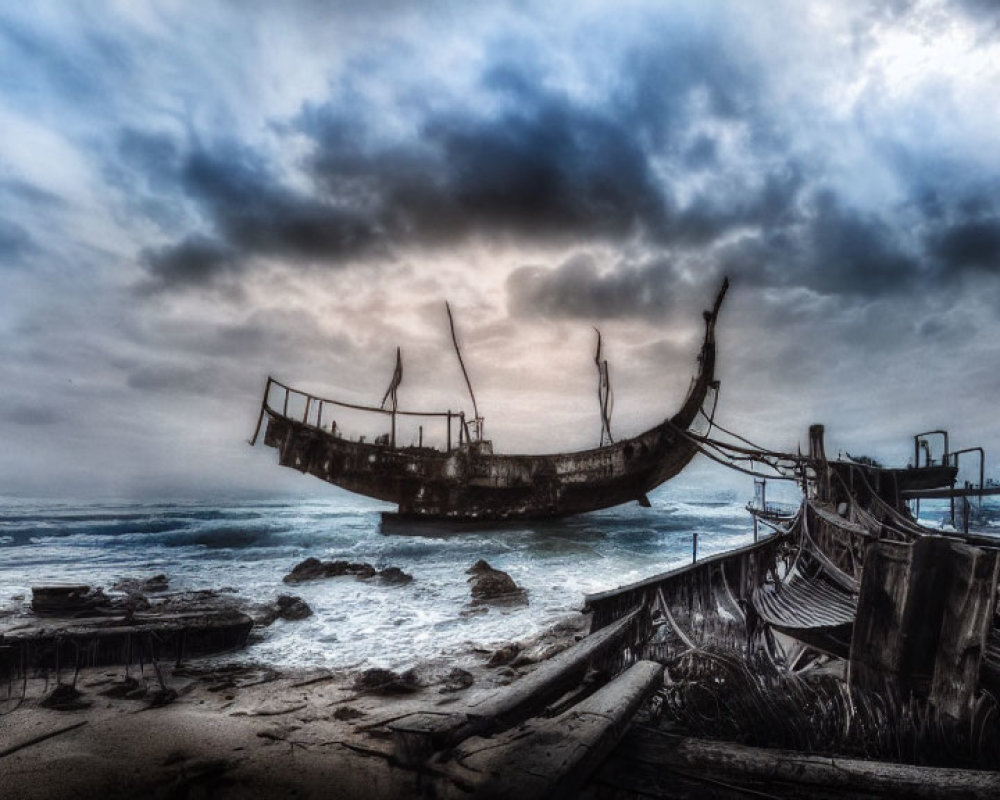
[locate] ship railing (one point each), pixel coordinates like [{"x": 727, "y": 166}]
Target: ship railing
[
  {"x": 314, "y": 407},
  {"x": 680, "y": 608},
  {"x": 777, "y": 509}
]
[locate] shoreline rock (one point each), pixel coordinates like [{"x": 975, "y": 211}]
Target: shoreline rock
[
  {"x": 384, "y": 681},
  {"x": 287, "y": 607},
  {"x": 489, "y": 584},
  {"x": 313, "y": 569}
]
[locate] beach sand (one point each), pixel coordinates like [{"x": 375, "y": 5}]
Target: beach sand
[{"x": 234, "y": 730}]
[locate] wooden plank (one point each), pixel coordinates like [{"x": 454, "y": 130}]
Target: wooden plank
[
  {"x": 550, "y": 680},
  {"x": 798, "y": 774},
  {"x": 418, "y": 735},
  {"x": 877, "y": 642},
  {"x": 554, "y": 757},
  {"x": 965, "y": 628},
  {"x": 902, "y": 618}
]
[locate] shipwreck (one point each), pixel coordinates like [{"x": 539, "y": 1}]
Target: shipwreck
[{"x": 467, "y": 481}]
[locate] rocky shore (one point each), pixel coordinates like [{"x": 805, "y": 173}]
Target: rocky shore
[{"x": 227, "y": 726}]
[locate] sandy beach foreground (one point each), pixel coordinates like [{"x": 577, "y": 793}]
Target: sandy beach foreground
[{"x": 236, "y": 730}]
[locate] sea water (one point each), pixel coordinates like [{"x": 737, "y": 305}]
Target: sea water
[{"x": 247, "y": 547}]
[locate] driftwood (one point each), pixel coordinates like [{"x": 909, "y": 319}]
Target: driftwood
[
  {"x": 652, "y": 763},
  {"x": 554, "y": 757},
  {"x": 41, "y": 738},
  {"x": 416, "y": 736}
]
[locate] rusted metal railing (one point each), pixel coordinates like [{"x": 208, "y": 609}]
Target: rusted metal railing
[{"x": 315, "y": 404}]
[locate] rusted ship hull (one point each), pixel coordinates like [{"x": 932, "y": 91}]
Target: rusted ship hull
[
  {"x": 471, "y": 483},
  {"x": 465, "y": 485}
]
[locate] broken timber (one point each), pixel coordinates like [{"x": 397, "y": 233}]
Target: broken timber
[
  {"x": 472, "y": 483},
  {"x": 419, "y": 735},
  {"x": 554, "y": 757},
  {"x": 651, "y": 763}
]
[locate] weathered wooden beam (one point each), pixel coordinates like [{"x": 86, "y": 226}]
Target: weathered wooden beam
[
  {"x": 417, "y": 735},
  {"x": 898, "y": 621},
  {"x": 554, "y": 757},
  {"x": 966, "y": 620},
  {"x": 785, "y": 773},
  {"x": 550, "y": 680}
]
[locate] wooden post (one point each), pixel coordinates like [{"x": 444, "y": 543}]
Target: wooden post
[
  {"x": 392, "y": 438},
  {"x": 420, "y": 435},
  {"x": 449, "y": 430},
  {"x": 965, "y": 626},
  {"x": 817, "y": 454},
  {"x": 284, "y": 408},
  {"x": 694, "y": 547},
  {"x": 263, "y": 408},
  {"x": 319, "y": 415},
  {"x": 898, "y": 623},
  {"x": 305, "y": 414}
]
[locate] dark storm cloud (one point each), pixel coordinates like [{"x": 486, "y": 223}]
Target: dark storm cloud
[
  {"x": 650, "y": 167},
  {"x": 252, "y": 214},
  {"x": 819, "y": 244},
  {"x": 526, "y": 161},
  {"x": 577, "y": 288},
  {"x": 732, "y": 204},
  {"x": 197, "y": 261},
  {"x": 854, "y": 253},
  {"x": 257, "y": 214},
  {"x": 970, "y": 244}
]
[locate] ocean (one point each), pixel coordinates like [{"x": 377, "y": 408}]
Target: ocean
[{"x": 247, "y": 547}]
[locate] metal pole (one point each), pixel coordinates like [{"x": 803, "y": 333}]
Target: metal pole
[
  {"x": 420, "y": 440},
  {"x": 305, "y": 414},
  {"x": 449, "y": 430},
  {"x": 694, "y": 547}
]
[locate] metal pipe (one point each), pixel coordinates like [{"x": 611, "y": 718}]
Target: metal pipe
[
  {"x": 982, "y": 462},
  {"x": 916, "y": 447}
]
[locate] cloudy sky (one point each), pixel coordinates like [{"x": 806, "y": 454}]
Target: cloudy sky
[{"x": 196, "y": 195}]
